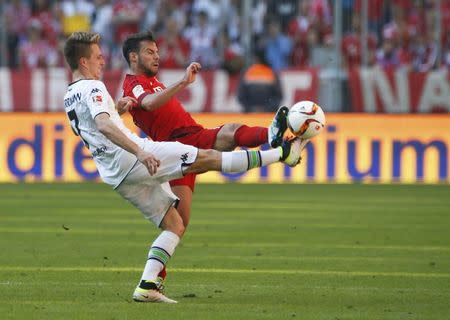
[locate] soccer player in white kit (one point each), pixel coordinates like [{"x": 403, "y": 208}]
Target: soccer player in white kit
[{"x": 139, "y": 168}]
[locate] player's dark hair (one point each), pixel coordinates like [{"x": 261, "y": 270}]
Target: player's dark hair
[
  {"x": 133, "y": 43},
  {"x": 78, "y": 45}
]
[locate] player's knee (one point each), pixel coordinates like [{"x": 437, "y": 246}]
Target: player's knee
[
  {"x": 185, "y": 215},
  {"x": 178, "y": 228},
  {"x": 207, "y": 160},
  {"x": 229, "y": 144},
  {"x": 185, "y": 221},
  {"x": 230, "y": 129},
  {"x": 184, "y": 212},
  {"x": 172, "y": 222},
  {"x": 225, "y": 139}
]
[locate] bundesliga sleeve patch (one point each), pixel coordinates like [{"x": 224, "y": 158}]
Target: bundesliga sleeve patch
[
  {"x": 138, "y": 91},
  {"x": 97, "y": 99}
]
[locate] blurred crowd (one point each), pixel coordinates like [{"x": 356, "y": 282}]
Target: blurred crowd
[{"x": 284, "y": 32}]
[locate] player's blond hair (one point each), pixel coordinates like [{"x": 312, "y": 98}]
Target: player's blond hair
[{"x": 78, "y": 45}]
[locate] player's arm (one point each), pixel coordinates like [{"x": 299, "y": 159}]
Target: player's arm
[
  {"x": 110, "y": 131},
  {"x": 153, "y": 101},
  {"x": 124, "y": 104}
]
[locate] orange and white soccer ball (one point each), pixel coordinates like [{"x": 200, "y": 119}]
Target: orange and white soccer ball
[{"x": 306, "y": 119}]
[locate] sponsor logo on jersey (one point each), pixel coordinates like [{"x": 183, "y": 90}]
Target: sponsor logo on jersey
[
  {"x": 95, "y": 90},
  {"x": 138, "y": 90}
]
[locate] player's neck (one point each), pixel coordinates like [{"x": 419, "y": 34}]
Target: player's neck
[
  {"x": 140, "y": 72},
  {"x": 81, "y": 75}
]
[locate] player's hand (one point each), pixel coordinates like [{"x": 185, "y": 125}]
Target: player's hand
[
  {"x": 191, "y": 72},
  {"x": 124, "y": 104},
  {"x": 149, "y": 161}
]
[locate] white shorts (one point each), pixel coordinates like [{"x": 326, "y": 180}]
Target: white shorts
[{"x": 152, "y": 194}]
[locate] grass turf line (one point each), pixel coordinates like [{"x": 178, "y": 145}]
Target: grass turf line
[{"x": 251, "y": 251}]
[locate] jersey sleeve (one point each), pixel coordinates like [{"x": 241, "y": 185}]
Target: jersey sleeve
[
  {"x": 98, "y": 99},
  {"x": 133, "y": 88}
]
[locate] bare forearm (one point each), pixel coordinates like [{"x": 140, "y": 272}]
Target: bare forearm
[
  {"x": 158, "y": 99},
  {"x": 109, "y": 130}
]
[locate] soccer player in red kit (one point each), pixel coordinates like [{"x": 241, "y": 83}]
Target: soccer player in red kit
[{"x": 162, "y": 117}]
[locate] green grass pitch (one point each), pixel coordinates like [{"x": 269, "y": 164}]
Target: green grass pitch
[{"x": 76, "y": 251}]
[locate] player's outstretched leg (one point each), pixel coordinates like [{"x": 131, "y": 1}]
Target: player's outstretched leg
[
  {"x": 244, "y": 160},
  {"x": 278, "y": 127},
  {"x": 240, "y": 161}
]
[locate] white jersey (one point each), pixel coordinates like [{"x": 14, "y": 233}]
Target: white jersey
[{"x": 84, "y": 100}]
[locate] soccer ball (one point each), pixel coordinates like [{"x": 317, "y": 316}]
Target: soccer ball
[{"x": 306, "y": 119}]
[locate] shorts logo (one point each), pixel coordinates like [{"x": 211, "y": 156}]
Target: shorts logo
[
  {"x": 99, "y": 151},
  {"x": 184, "y": 157}
]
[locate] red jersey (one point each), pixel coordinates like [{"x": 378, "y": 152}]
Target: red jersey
[{"x": 164, "y": 123}]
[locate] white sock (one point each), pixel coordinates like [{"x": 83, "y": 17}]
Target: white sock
[
  {"x": 162, "y": 249},
  {"x": 240, "y": 161}
]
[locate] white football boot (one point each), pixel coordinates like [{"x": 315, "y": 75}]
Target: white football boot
[
  {"x": 150, "y": 295},
  {"x": 292, "y": 151}
]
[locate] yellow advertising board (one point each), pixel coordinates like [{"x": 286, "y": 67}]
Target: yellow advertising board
[{"x": 353, "y": 148}]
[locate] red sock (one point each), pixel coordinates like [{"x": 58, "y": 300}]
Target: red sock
[
  {"x": 250, "y": 136},
  {"x": 162, "y": 273}
]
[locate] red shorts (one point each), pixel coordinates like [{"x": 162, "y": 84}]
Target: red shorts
[{"x": 203, "y": 139}]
